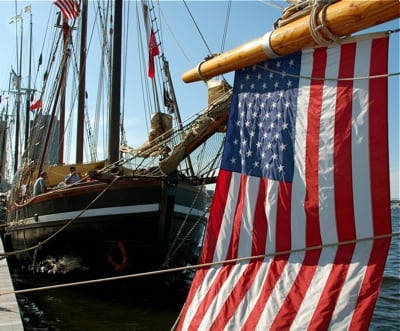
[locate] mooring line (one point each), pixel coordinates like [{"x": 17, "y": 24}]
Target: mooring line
[{"x": 202, "y": 265}]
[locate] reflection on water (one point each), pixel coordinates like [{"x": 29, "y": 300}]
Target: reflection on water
[
  {"x": 94, "y": 307},
  {"x": 63, "y": 265},
  {"x": 79, "y": 311},
  {"x": 86, "y": 308}
]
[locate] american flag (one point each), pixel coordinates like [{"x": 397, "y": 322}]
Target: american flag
[
  {"x": 69, "y": 8},
  {"x": 303, "y": 187}
]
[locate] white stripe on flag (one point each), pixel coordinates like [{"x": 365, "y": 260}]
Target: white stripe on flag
[
  {"x": 280, "y": 291},
  {"x": 221, "y": 248},
  {"x": 250, "y": 299},
  {"x": 199, "y": 296},
  {"x": 360, "y": 144},
  {"x": 271, "y": 204},
  {"x": 246, "y": 228},
  {"x": 348, "y": 297},
  {"x": 224, "y": 292},
  {"x": 299, "y": 176},
  {"x": 312, "y": 296},
  {"x": 327, "y": 217}
]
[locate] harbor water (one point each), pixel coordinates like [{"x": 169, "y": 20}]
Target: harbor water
[{"x": 93, "y": 308}]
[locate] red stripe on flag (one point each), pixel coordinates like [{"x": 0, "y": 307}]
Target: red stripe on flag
[
  {"x": 311, "y": 203},
  {"x": 331, "y": 291},
  {"x": 344, "y": 208},
  {"x": 379, "y": 155},
  {"x": 294, "y": 299},
  {"x": 259, "y": 238},
  {"x": 214, "y": 288},
  {"x": 260, "y": 229},
  {"x": 69, "y": 8},
  {"x": 235, "y": 298},
  {"x": 283, "y": 220},
  {"x": 271, "y": 278},
  {"x": 216, "y": 215},
  {"x": 227, "y": 309},
  {"x": 283, "y": 243},
  {"x": 196, "y": 283},
  {"x": 371, "y": 284}
]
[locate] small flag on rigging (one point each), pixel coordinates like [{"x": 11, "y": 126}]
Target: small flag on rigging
[
  {"x": 14, "y": 78},
  {"x": 15, "y": 18},
  {"x": 153, "y": 51},
  {"x": 36, "y": 104},
  {"x": 69, "y": 8}
]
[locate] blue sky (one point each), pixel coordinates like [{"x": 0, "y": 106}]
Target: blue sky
[{"x": 184, "y": 47}]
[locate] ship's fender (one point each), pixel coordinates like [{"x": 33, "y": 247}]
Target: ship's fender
[{"x": 124, "y": 261}]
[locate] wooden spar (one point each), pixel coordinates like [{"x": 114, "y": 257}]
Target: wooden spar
[
  {"x": 341, "y": 18},
  {"x": 80, "y": 126},
  {"x": 115, "y": 103}
]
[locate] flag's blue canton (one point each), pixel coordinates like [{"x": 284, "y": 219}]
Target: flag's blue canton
[{"x": 260, "y": 136}]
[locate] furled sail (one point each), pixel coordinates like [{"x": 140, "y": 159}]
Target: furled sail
[{"x": 212, "y": 120}]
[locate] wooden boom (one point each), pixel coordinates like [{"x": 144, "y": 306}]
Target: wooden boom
[{"x": 341, "y": 18}]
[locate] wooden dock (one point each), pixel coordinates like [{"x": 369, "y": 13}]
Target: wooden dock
[{"x": 10, "y": 317}]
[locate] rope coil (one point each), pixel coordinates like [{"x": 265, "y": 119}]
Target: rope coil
[{"x": 320, "y": 33}]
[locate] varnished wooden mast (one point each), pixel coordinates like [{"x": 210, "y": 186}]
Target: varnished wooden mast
[
  {"x": 115, "y": 105},
  {"x": 82, "y": 87},
  {"x": 342, "y": 18}
]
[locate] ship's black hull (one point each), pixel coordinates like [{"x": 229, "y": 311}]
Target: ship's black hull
[{"x": 135, "y": 226}]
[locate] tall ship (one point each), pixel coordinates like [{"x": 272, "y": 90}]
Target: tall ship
[
  {"x": 299, "y": 226},
  {"x": 141, "y": 209}
]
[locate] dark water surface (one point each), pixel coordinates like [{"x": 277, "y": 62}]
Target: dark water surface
[
  {"x": 96, "y": 307},
  {"x": 387, "y": 310},
  {"x": 75, "y": 310},
  {"x": 86, "y": 308}
]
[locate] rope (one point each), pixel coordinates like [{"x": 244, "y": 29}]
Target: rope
[
  {"x": 171, "y": 252},
  {"x": 228, "y": 11},
  {"x": 330, "y": 79},
  {"x": 64, "y": 226},
  {"x": 176, "y": 40},
  {"x": 178, "y": 318},
  {"x": 315, "y": 29},
  {"x": 316, "y": 9},
  {"x": 197, "y": 27},
  {"x": 202, "y": 265}
]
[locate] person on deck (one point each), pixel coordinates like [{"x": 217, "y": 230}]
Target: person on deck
[
  {"x": 73, "y": 177},
  {"x": 40, "y": 184}
]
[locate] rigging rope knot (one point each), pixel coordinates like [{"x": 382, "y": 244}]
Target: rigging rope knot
[{"x": 320, "y": 33}]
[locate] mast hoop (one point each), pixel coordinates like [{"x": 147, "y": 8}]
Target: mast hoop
[
  {"x": 199, "y": 71},
  {"x": 266, "y": 45}
]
